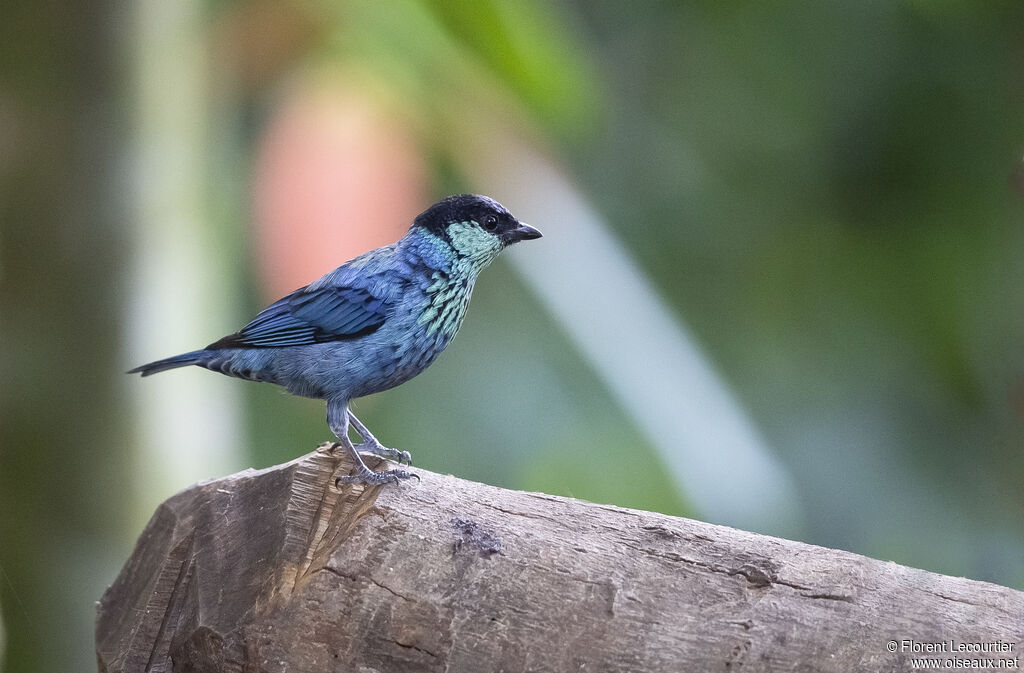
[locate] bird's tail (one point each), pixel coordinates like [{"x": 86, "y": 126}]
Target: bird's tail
[{"x": 183, "y": 360}]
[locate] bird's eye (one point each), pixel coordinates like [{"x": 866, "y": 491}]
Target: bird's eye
[{"x": 490, "y": 222}]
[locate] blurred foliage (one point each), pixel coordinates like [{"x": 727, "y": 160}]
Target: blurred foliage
[
  {"x": 64, "y": 455},
  {"x": 825, "y": 191}
]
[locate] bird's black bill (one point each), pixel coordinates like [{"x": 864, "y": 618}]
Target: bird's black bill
[{"x": 523, "y": 232}]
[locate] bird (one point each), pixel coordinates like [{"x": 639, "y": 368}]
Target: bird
[{"x": 373, "y": 323}]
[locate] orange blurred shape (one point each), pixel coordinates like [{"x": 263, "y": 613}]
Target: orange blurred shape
[
  {"x": 336, "y": 175},
  {"x": 259, "y": 40}
]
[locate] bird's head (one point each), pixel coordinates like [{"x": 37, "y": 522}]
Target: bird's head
[{"x": 476, "y": 227}]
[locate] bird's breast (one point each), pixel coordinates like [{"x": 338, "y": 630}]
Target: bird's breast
[
  {"x": 423, "y": 324},
  {"x": 445, "y": 306}
]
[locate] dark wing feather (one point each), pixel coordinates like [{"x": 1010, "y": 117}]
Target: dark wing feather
[{"x": 308, "y": 317}]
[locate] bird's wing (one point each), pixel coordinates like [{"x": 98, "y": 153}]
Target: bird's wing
[{"x": 309, "y": 316}]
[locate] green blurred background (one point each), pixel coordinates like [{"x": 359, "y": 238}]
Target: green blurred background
[{"x": 814, "y": 208}]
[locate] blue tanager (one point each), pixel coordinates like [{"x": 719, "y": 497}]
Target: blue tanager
[{"x": 371, "y": 324}]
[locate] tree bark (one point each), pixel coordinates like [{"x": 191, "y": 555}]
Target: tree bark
[{"x": 280, "y": 570}]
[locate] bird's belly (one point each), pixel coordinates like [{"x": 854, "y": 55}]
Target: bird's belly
[
  {"x": 401, "y": 362},
  {"x": 354, "y": 369}
]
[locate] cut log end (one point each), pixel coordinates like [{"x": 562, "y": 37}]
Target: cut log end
[{"x": 282, "y": 570}]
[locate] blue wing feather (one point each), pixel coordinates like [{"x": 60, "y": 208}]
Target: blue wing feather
[{"x": 309, "y": 316}]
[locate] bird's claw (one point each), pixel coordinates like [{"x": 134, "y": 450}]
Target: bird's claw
[
  {"x": 400, "y": 457},
  {"x": 364, "y": 476}
]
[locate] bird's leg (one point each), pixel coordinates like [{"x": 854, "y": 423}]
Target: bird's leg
[
  {"x": 372, "y": 445},
  {"x": 337, "y": 419}
]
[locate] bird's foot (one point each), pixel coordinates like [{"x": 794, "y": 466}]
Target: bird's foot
[
  {"x": 400, "y": 457},
  {"x": 365, "y": 476}
]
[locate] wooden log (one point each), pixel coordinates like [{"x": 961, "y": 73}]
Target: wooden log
[{"x": 280, "y": 570}]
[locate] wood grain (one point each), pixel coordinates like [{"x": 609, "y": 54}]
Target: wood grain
[{"x": 279, "y": 570}]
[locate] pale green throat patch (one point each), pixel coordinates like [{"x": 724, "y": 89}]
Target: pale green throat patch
[{"x": 469, "y": 240}]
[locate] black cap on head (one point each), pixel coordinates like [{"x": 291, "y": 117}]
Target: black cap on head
[
  {"x": 485, "y": 211},
  {"x": 459, "y": 208}
]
